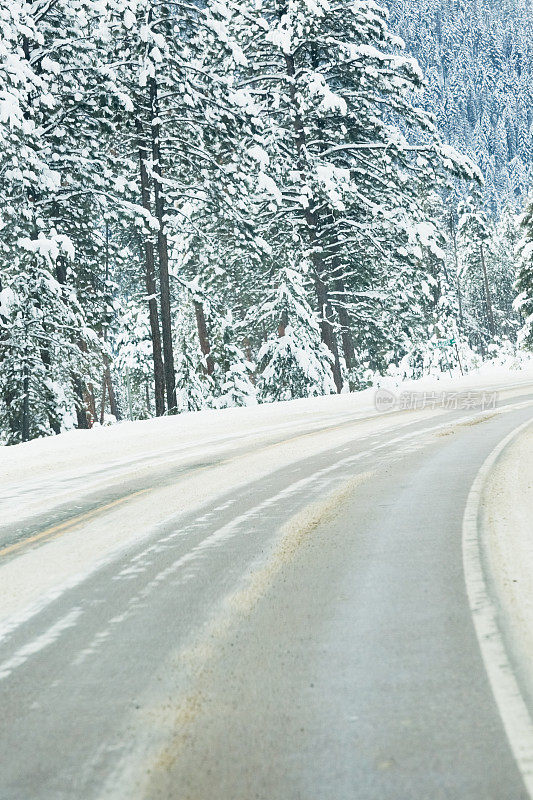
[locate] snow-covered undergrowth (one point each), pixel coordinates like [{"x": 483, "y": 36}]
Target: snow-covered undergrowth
[
  {"x": 506, "y": 364},
  {"x": 84, "y": 451}
]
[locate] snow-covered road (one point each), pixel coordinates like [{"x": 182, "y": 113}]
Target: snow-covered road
[{"x": 263, "y": 602}]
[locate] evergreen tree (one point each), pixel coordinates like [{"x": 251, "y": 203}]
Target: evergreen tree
[
  {"x": 206, "y": 203},
  {"x": 478, "y": 60},
  {"x": 334, "y": 163},
  {"x": 193, "y": 387},
  {"x": 233, "y": 372},
  {"x": 475, "y": 233},
  {"x": 293, "y": 362},
  {"x": 524, "y": 283},
  {"x": 45, "y": 343}
]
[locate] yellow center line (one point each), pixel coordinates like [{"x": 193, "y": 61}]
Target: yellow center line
[{"x": 68, "y": 524}]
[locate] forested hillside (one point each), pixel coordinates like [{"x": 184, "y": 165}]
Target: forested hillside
[
  {"x": 477, "y": 56},
  {"x": 220, "y": 203}
]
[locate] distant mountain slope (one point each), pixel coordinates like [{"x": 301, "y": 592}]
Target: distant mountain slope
[{"x": 478, "y": 59}]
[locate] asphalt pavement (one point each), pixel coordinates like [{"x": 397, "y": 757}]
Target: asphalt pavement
[{"x": 307, "y": 636}]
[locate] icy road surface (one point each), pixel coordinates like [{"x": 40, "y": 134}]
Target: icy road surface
[{"x": 271, "y": 610}]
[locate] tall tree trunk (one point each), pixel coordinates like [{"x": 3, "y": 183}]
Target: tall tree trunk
[
  {"x": 102, "y": 402},
  {"x": 348, "y": 348},
  {"x": 151, "y": 287},
  {"x": 248, "y": 353},
  {"x": 203, "y": 336},
  {"x": 326, "y": 325},
  {"x": 113, "y": 404},
  {"x": 458, "y": 358},
  {"x": 81, "y": 410},
  {"x": 457, "y": 276},
  {"x": 107, "y": 386},
  {"x": 162, "y": 251},
  {"x": 25, "y": 431},
  {"x": 148, "y": 404},
  {"x": 90, "y": 402},
  {"x": 80, "y": 391},
  {"x": 284, "y": 321},
  {"x": 329, "y": 336},
  {"x": 490, "y": 316},
  {"x": 45, "y": 358}
]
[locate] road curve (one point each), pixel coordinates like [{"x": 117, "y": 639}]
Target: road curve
[{"x": 306, "y": 636}]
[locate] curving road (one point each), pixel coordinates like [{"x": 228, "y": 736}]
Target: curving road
[{"x": 283, "y": 617}]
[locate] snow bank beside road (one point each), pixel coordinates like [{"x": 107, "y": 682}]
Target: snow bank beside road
[
  {"x": 85, "y": 451},
  {"x": 507, "y": 518},
  {"x": 43, "y": 474}
]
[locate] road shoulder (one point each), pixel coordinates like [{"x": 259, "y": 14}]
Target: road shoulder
[
  {"x": 507, "y": 524},
  {"x": 495, "y": 552}
]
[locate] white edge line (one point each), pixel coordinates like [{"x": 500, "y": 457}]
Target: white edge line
[{"x": 511, "y": 705}]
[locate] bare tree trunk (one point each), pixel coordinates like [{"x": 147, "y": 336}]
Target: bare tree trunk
[
  {"x": 151, "y": 288},
  {"x": 284, "y": 321},
  {"x": 52, "y": 419},
  {"x": 458, "y": 358},
  {"x": 25, "y": 432},
  {"x": 457, "y": 276},
  {"x": 326, "y": 325},
  {"x": 203, "y": 336},
  {"x": 348, "y": 348},
  {"x": 80, "y": 390},
  {"x": 148, "y": 404},
  {"x": 162, "y": 250},
  {"x": 81, "y": 410},
  {"x": 90, "y": 402},
  {"x": 128, "y": 390},
  {"x": 113, "y": 405},
  {"x": 107, "y": 384},
  {"x": 490, "y": 316},
  {"x": 102, "y": 403}
]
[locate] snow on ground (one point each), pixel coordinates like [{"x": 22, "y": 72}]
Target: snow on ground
[
  {"x": 238, "y": 445},
  {"x": 508, "y": 527},
  {"x": 84, "y": 452},
  {"x": 43, "y": 474}
]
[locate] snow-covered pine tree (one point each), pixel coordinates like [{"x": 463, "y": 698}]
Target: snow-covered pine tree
[
  {"x": 502, "y": 268},
  {"x": 233, "y": 371},
  {"x": 335, "y": 101},
  {"x": 175, "y": 68},
  {"x": 431, "y": 318},
  {"x": 524, "y": 282},
  {"x": 478, "y": 59},
  {"x": 45, "y": 345},
  {"x": 293, "y": 361},
  {"x": 193, "y": 387},
  {"x": 52, "y": 55},
  {"x": 134, "y": 359},
  {"x": 474, "y": 233}
]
